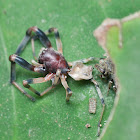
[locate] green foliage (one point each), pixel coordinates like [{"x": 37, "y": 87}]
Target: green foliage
[
  {"x": 125, "y": 121},
  {"x": 50, "y": 117}
]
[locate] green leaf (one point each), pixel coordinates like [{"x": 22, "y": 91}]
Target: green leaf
[
  {"x": 50, "y": 117},
  {"x": 125, "y": 123}
]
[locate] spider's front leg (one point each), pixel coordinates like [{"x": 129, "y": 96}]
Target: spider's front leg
[
  {"x": 33, "y": 32},
  {"x": 23, "y": 63}
]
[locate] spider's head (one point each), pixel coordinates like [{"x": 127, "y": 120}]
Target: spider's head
[{"x": 79, "y": 71}]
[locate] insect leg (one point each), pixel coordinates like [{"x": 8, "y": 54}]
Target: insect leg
[
  {"x": 86, "y": 60},
  {"x": 57, "y": 37},
  {"x": 23, "y": 63},
  {"x": 109, "y": 86},
  {"x": 37, "y": 33},
  {"x": 65, "y": 85},
  {"x": 102, "y": 102}
]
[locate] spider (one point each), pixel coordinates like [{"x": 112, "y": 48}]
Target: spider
[
  {"x": 107, "y": 70},
  {"x": 50, "y": 62}
]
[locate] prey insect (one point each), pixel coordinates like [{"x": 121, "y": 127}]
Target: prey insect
[
  {"x": 50, "y": 62},
  {"x": 107, "y": 70},
  {"x": 80, "y": 71}
]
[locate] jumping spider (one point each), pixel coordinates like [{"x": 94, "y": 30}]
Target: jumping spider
[{"x": 107, "y": 70}]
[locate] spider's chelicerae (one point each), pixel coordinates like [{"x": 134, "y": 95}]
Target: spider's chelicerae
[
  {"x": 107, "y": 70},
  {"x": 52, "y": 64}
]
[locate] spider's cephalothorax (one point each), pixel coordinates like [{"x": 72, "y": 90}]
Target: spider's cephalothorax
[
  {"x": 107, "y": 70},
  {"x": 53, "y": 61}
]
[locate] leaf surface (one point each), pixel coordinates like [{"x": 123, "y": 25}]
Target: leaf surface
[{"x": 50, "y": 117}]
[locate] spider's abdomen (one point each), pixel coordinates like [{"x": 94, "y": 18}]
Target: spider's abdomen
[{"x": 52, "y": 60}]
